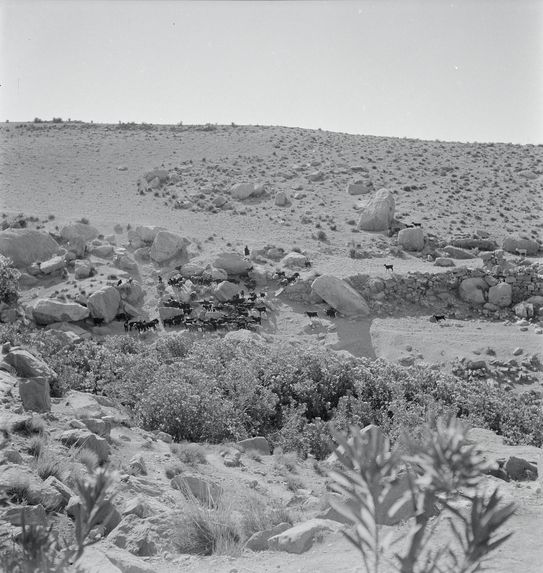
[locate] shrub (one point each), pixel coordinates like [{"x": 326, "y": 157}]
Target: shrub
[
  {"x": 89, "y": 458},
  {"x": 191, "y": 454},
  {"x": 29, "y": 426},
  {"x": 35, "y": 446},
  {"x": 48, "y": 465},
  {"x": 442, "y": 465},
  {"x": 9, "y": 277}
]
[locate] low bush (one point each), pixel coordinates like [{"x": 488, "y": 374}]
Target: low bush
[{"x": 9, "y": 281}]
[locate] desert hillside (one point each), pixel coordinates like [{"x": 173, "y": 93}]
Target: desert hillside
[{"x": 190, "y": 311}]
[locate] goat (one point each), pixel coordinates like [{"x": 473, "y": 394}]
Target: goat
[
  {"x": 389, "y": 267},
  {"x": 312, "y": 315},
  {"x": 331, "y": 312},
  {"x": 416, "y": 224},
  {"x": 98, "y": 321},
  {"x": 307, "y": 264},
  {"x": 246, "y": 251},
  {"x": 522, "y": 252},
  {"x": 438, "y": 317}
]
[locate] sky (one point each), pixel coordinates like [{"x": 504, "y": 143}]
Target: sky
[{"x": 469, "y": 70}]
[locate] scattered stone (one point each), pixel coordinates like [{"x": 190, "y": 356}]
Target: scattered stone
[
  {"x": 518, "y": 351},
  {"x": 137, "y": 506},
  {"x": 135, "y": 535},
  {"x": 281, "y": 199},
  {"x": 232, "y": 263},
  {"x": 294, "y": 260},
  {"x": 360, "y": 187},
  {"x": 83, "y": 268},
  {"x": 137, "y": 465},
  {"x": 524, "y": 310},
  {"x": 242, "y": 191},
  {"x": 519, "y": 469},
  {"x": 102, "y": 251}
]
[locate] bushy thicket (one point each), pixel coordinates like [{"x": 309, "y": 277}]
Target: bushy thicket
[{"x": 213, "y": 390}]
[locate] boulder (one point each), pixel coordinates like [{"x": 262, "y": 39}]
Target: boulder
[
  {"x": 52, "y": 265},
  {"x": 131, "y": 292},
  {"x": 162, "y": 175},
  {"x": 83, "y": 268},
  {"x": 203, "y": 490},
  {"x": 125, "y": 262},
  {"x": 27, "y": 365},
  {"x": 473, "y": 290},
  {"x": 281, "y": 199},
  {"x": 259, "y": 444},
  {"x": 360, "y": 188},
  {"x": 76, "y": 247},
  {"x": 301, "y": 537},
  {"x": 411, "y": 239},
  {"x": 512, "y": 243},
  {"x": 80, "y": 231},
  {"x": 168, "y": 245},
  {"x": 35, "y": 394},
  {"x": 86, "y": 439},
  {"x": 519, "y": 469},
  {"x": 443, "y": 262},
  {"x": 500, "y": 294},
  {"x": 242, "y": 191},
  {"x": 259, "y": 540},
  {"x": 146, "y": 234},
  {"x": 137, "y": 465},
  {"x": 339, "y": 295},
  {"x": 524, "y": 310},
  {"x": 33, "y": 515},
  {"x": 191, "y": 270},
  {"x": 102, "y": 251},
  {"x": 473, "y": 243},
  {"x": 225, "y": 291},
  {"x": 104, "y": 303},
  {"x": 47, "y": 311},
  {"x": 232, "y": 263},
  {"x": 378, "y": 212},
  {"x": 26, "y": 246},
  {"x": 135, "y": 535},
  {"x": 36, "y": 491},
  {"x": 294, "y": 260},
  {"x": 137, "y": 506},
  {"x": 457, "y": 252}
]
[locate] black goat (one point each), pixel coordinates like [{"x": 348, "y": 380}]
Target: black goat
[
  {"x": 389, "y": 268},
  {"x": 331, "y": 312},
  {"x": 312, "y": 314}
]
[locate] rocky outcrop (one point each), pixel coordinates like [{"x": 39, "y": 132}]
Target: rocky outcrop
[
  {"x": 26, "y": 246},
  {"x": 294, "y": 260},
  {"x": 225, "y": 291},
  {"x": 339, "y": 295},
  {"x": 378, "y": 212},
  {"x": 86, "y": 439},
  {"x": 104, "y": 303},
  {"x": 457, "y": 252},
  {"x": 47, "y": 311}
]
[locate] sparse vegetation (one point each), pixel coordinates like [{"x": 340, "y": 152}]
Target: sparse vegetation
[{"x": 9, "y": 276}]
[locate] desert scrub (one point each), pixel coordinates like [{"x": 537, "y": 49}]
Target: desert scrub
[
  {"x": 29, "y": 426},
  {"x": 9, "y": 277},
  {"x": 191, "y": 454}
]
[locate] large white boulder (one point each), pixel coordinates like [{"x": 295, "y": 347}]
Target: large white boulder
[
  {"x": 47, "y": 311},
  {"x": 26, "y": 246},
  {"x": 500, "y": 294},
  {"x": 473, "y": 290},
  {"x": 232, "y": 263},
  {"x": 104, "y": 303},
  {"x": 76, "y": 231},
  {"x": 411, "y": 239},
  {"x": 339, "y": 295},
  {"x": 52, "y": 265},
  {"x": 378, "y": 212},
  {"x": 167, "y": 245}
]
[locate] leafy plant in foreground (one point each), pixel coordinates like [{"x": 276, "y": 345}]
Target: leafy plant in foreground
[{"x": 440, "y": 466}]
